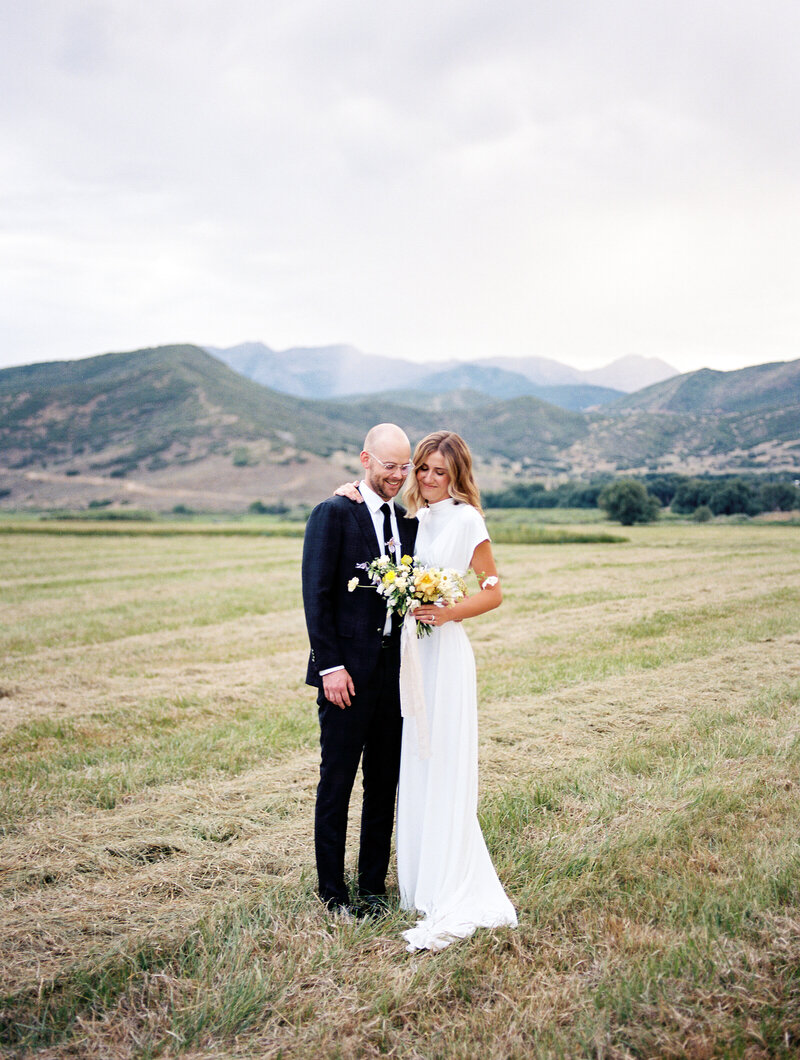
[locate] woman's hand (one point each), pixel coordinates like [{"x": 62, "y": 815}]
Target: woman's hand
[
  {"x": 349, "y": 490},
  {"x": 434, "y": 615}
]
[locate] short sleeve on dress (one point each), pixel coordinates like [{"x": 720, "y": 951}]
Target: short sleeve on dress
[{"x": 474, "y": 530}]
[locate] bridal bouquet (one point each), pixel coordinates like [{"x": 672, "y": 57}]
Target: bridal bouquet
[{"x": 409, "y": 583}]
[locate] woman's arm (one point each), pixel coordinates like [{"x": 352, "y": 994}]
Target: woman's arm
[{"x": 489, "y": 597}]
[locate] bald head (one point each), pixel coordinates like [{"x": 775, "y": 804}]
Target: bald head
[
  {"x": 386, "y": 458},
  {"x": 385, "y": 434}
]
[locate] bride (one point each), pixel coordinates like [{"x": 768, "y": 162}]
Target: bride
[{"x": 443, "y": 866}]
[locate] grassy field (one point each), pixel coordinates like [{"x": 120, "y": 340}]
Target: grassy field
[{"x": 640, "y": 778}]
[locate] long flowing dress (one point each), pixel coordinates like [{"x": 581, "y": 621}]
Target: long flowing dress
[{"x": 444, "y": 869}]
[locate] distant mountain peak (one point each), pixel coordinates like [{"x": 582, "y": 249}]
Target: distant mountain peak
[
  {"x": 628, "y": 373},
  {"x": 631, "y": 372}
]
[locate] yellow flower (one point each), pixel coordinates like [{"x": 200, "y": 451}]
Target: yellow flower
[
  {"x": 389, "y": 576},
  {"x": 406, "y": 561},
  {"x": 425, "y": 582}
]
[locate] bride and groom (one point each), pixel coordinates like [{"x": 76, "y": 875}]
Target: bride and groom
[{"x": 443, "y": 867}]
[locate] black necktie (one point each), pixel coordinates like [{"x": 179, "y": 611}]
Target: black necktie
[
  {"x": 387, "y": 537},
  {"x": 387, "y": 528}
]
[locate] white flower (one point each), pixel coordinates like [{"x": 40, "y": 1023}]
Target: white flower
[{"x": 352, "y": 584}]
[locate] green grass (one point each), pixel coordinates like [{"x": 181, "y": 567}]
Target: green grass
[
  {"x": 521, "y": 533},
  {"x": 546, "y": 516}
]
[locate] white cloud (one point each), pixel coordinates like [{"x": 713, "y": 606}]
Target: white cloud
[{"x": 577, "y": 181}]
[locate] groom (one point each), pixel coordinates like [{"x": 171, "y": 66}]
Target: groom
[{"x": 355, "y": 665}]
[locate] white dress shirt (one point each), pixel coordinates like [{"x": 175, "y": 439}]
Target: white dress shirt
[{"x": 375, "y": 503}]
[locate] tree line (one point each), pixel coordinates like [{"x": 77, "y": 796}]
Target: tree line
[{"x": 638, "y": 499}]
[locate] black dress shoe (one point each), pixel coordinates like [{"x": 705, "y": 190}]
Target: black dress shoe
[
  {"x": 343, "y": 912},
  {"x": 373, "y": 905}
]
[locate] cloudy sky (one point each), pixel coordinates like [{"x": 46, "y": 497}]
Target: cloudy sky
[{"x": 434, "y": 179}]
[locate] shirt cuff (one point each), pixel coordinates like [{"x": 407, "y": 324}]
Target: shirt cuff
[{"x": 330, "y": 670}]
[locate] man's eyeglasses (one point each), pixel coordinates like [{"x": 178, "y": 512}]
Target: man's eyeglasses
[{"x": 403, "y": 468}]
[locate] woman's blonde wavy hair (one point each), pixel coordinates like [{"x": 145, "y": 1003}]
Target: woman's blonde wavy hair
[{"x": 458, "y": 461}]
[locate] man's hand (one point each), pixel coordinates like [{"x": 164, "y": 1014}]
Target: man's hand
[{"x": 338, "y": 688}]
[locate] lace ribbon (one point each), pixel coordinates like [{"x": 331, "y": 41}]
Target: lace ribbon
[{"x": 412, "y": 691}]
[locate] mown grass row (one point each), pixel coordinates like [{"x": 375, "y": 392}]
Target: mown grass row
[
  {"x": 610, "y": 647},
  {"x": 46, "y": 767},
  {"x": 659, "y": 896}
]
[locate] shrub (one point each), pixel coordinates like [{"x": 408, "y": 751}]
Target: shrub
[
  {"x": 702, "y": 514},
  {"x": 628, "y": 502},
  {"x": 241, "y": 457},
  {"x": 724, "y": 496},
  {"x": 663, "y": 486},
  {"x": 259, "y": 508},
  {"x": 121, "y": 472},
  {"x": 691, "y": 494},
  {"x": 779, "y": 497},
  {"x": 734, "y": 497}
]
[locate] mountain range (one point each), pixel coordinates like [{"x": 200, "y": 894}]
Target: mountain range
[
  {"x": 344, "y": 371},
  {"x": 175, "y": 425}
]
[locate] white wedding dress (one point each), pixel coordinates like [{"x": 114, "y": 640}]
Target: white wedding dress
[{"x": 443, "y": 866}]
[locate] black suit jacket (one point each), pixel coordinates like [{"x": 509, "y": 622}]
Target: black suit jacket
[{"x": 344, "y": 628}]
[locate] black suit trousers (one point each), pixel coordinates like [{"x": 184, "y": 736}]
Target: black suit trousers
[{"x": 368, "y": 731}]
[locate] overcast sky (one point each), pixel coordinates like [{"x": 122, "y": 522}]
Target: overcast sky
[{"x": 429, "y": 180}]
